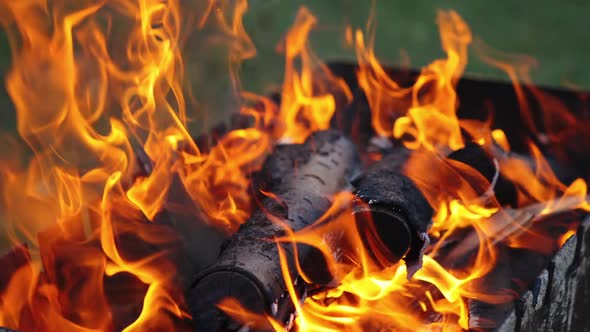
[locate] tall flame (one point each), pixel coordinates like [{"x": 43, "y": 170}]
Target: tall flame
[
  {"x": 424, "y": 114},
  {"x": 88, "y": 80},
  {"x": 309, "y": 96},
  {"x": 92, "y": 80}
]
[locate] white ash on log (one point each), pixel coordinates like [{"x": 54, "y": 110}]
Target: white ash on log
[
  {"x": 303, "y": 179},
  {"x": 399, "y": 213}
]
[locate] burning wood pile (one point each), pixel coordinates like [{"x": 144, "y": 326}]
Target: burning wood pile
[{"x": 359, "y": 198}]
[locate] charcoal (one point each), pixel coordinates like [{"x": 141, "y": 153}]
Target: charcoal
[
  {"x": 302, "y": 180},
  {"x": 400, "y": 213}
]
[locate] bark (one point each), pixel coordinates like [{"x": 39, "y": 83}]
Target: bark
[
  {"x": 303, "y": 179},
  {"x": 559, "y": 299},
  {"x": 399, "y": 211}
]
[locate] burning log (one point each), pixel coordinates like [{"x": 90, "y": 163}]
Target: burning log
[
  {"x": 301, "y": 182},
  {"x": 521, "y": 270},
  {"x": 200, "y": 242},
  {"x": 399, "y": 212},
  {"x": 560, "y": 296}
]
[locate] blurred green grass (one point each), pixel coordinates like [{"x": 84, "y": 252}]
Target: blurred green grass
[{"x": 555, "y": 33}]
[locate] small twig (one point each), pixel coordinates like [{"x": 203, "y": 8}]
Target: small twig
[{"x": 512, "y": 222}]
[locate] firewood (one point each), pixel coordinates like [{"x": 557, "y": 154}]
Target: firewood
[
  {"x": 511, "y": 222},
  {"x": 560, "y": 297},
  {"x": 396, "y": 206},
  {"x": 302, "y": 179},
  {"x": 516, "y": 269},
  {"x": 200, "y": 242}
]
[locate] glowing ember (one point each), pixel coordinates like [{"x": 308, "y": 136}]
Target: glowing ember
[{"x": 90, "y": 79}]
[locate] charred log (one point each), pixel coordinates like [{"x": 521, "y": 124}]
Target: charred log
[
  {"x": 392, "y": 213},
  {"x": 560, "y": 296},
  {"x": 302, "y": 180},
  {"x": 200, "y": 242}
]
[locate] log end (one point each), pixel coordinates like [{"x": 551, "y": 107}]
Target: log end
[
  {"x": 386, "y": 234},
  {"x": 208, "y": 291}
]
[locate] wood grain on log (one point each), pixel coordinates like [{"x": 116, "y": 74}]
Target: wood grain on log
[{"x": 300, "y": 183}]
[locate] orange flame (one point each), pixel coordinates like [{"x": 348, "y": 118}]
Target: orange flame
[
  {"x": 91, "y": 79},
  {"x": 424, "y": 117},
  {"x": 424, "y": 114},
  {"x": 308, "y": 98},
  {"x": 85, "y": 78}
]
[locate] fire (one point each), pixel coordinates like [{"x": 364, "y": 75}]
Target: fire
[
  {"x": 424, "y": 117},
  {"x": 85, "y": 95},
  {"x": 98, "y": 83},
  {"x": 309, "y": 96},
  {"x": 424, "y": 114}
]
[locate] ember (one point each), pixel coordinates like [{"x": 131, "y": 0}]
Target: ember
[{"x": 360, "y": 198}]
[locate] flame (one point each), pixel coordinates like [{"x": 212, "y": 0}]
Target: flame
[
  {"x": 424, "y": 114},
  {"x": 92, "y": 81},
  {"x": 89, "y": 80},
  {"x": 309, "y": 96}
]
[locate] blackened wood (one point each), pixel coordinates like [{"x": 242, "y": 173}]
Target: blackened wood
[
  {"x": 497, "y": 282},
  {"x": 4, "y": 329},
  {"x": 560, "y": 297},
  {"x": 475, "y": 156},
  {"x": 199, "y": 241},
  {"x": 384, "y": 187},
  {"x": 521, "y": 266},
  {"x": 302, "y": 180},
  {"x": 517, "y": 269},
  {"x": 354, "y": 119},
  {"x": 565, "y": 174}
]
